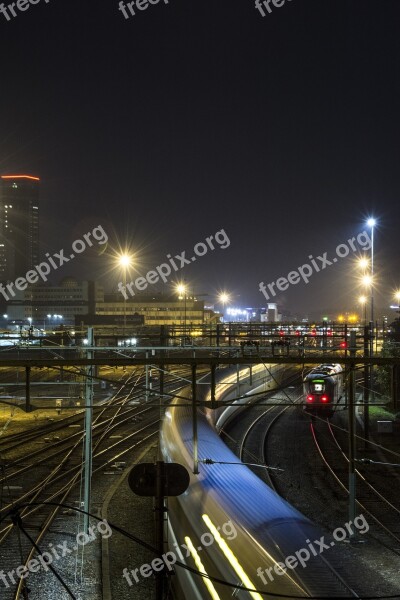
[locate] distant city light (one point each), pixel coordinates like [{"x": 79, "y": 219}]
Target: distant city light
[{"x": 235, "y": 312}]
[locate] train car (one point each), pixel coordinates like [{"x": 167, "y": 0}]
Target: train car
[
  {"x": 323, "y": 390},
  {"x": 244, "y": 528}
]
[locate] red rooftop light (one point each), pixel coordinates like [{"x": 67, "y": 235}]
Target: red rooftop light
[{"x": 20, "y": 177}]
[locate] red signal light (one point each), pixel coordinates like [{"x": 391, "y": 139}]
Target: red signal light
[
  {"x": 310, "y": 398},
  {"x": 324, "y": 398},
  {"x": 343, "y": 344}
]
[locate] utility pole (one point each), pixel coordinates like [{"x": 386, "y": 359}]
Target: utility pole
[
  {"x": 27, "y": 389},
  {"x": 194, "y": 409},
  {"x": 352, "y": 425},
  {"x": 88, "y": 432},
  {"x": 367, "y": 370}
]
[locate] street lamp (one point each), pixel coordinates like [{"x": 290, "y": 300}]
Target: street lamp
[
  {"x": 124, "y": 261},
  {"x": 371, "y": 223},
  {"x": 363, "y": 301},
  {"x": 397, "y": 296},
  {"x": 224, "y": 299},
  {"x": 363, "y": 263},
  {"x": 181, "y": 289},
  {"x": 366, "y": 280},
  {"x": 368, "y": 372}
]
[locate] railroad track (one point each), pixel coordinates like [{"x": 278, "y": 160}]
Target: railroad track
[
  {"x": 248, "y": 436},
  {"x": 371, "y": 502},
  {"x": 60, "y": 473}
]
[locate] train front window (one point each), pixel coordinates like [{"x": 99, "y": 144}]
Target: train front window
[{"x": 318, "y": 387}]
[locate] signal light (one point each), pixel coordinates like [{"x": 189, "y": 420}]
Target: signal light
[
  {"x": 324, "y": 398},
  {"x": 343, "y": 344},
  {"x": 310, "y": 398}
]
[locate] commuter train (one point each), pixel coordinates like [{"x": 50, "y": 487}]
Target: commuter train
[
  {"x": 232, "y": 527},
  {"x": 323, "y": 390}
]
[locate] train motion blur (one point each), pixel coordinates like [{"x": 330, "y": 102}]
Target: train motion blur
[
  {"x": 323, "y": 390},
  {"x": 267, "y": 529}
]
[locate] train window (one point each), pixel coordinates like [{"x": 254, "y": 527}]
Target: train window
[{"x": 317, "y": 387}]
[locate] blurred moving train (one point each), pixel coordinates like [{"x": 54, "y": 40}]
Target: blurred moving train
[
  {"x": 265, "y": 528},
  {"x": 323, "y": 390}
]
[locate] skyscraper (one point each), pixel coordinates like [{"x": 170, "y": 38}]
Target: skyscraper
[{"x": 19, "y": 225}]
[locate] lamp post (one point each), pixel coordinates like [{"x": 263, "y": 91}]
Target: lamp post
[
  {"x": 397, "y": 296},
  {"x": 181, "y": 289},
  {"x": 224, "y": 299},
  {"x": 363, "y": 301},
  {"x": 368, "y": 348},
  {"x": 371, "y": 223},
  {"x": 124, "y": 261}
]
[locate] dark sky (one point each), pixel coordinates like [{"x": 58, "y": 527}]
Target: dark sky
[{"x": 196, "y": 116}]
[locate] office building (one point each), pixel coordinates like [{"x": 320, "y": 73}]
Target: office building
[{"x": 19, "y": 225}]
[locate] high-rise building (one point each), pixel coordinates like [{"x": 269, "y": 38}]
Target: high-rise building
[{"x": 19, "y": 225}]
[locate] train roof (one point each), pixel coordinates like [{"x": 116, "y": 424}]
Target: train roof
[{"x": 324, "y": 370}]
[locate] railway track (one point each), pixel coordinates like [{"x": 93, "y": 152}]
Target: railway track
[
  {"x": 248, "y": 436},
  {"x": 55, "y": 473},
  {"x": 381, "y": 511}
]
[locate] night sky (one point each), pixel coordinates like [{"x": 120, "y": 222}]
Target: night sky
[{"x": 201, "y": 115}]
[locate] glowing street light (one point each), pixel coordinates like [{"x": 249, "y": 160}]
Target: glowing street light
[
  {"x": 224, "y": 298},
  {"x": 363, "y": 263},
  {"x": 367, "y": 281},
  {"x": 124, "y": 261}
]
